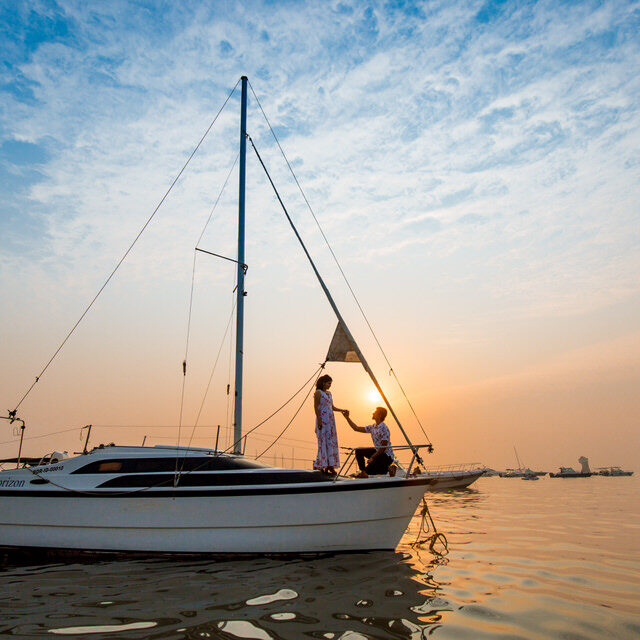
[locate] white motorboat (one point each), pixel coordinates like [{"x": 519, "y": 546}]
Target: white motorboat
[
  {"x": 451, "y": 476},
  {"x": 176, "y": 499},
  {"x": 439, "y": 478},
  {"x": 570, "y": 472},
  {"x": 450, "y": 479},
  {"x": 613, "y": 472}
]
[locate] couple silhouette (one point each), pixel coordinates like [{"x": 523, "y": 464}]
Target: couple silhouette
[{"x": 376, "y": 460}]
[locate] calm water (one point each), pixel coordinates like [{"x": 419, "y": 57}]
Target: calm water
[{"x": 548, "y": 559}]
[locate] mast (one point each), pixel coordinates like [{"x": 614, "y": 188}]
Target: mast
[
  {"x": 517, "y": 458},
  {"x": 240, "y": 292}
]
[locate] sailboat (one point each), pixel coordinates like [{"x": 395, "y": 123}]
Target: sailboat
[
  {"x": 521, "y": 472},
  {"x": 173, "y": 499}
]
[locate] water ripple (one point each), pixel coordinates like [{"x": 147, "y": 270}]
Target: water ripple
[
  {"x": 103, "y": 628},
  {"x": 283, "y": 594},
  {"x": 531, "y": 564}
]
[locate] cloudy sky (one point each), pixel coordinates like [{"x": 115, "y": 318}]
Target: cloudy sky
[{"x": 474, "y": 165}]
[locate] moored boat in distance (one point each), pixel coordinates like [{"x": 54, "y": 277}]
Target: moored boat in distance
[
  {"x": 437, "y": 478},
  {"x": 570, "y": 472},
  {"x": 613, "y": 471},
  {"x": 446, "y": 477},
  {"x": 521, "y": 473}
]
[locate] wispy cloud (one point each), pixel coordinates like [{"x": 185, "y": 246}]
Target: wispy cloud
[{"x": 491, "y": 144}]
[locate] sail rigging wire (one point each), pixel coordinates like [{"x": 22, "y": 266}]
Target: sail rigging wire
[
  {"x": 184, "y": 362},
  {"x": 226, "y": 420},
  {"x": 162, "y": 483},
  {"x": 178, "y": 472},
  {"x": 213, "y": 369},
  {"x": 193, "y": 278},
  {"x": 315, "y": 375},
  {"x": 206, "y": 224},
  {"x": 126, "y": 253},
  {"x": 335, "y": 258},
  {"x": 292, "y": 418},
  {"x": 331, "y": 301},
  {"x": 44, "y": 435},
  {"x": 267, "y": 437}
]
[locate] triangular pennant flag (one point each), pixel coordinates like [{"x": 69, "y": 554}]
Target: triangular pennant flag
[{"x": 342, "y": 348}]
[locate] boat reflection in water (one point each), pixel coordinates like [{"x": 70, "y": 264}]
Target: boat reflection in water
[{"x": 377, "y": 594}]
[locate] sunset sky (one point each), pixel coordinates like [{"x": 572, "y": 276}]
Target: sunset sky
[{"x": 475, "y": 167}]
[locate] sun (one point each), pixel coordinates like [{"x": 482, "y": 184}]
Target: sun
[{"x": 374, "y": 396}]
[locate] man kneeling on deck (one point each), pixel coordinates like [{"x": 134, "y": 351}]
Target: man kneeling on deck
[{"x": 380, "y": 456}]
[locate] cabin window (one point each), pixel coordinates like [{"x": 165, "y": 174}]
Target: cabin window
[
  {"x": 110, "y": 467},
  {"x": 215, "y": 479},
  {"x": 156, "y": 465}
]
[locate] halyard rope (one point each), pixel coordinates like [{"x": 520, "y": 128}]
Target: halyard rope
[
  {"x": 168, "y": 482},
  {"x": 293, "y": 417},
  {"x": 315, "y": 374},
  {"x": 126, "y": 253},
  {"x": 186, "y": 348},
  {"x": 335, "y": 258}
]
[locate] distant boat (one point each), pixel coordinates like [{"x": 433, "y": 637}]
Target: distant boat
[
  {"x": 451, "y": 476},
  {"x": 613, "y": 471},
  {"x": 569, "y": 472},
  {"x": 521, "y": 471}
]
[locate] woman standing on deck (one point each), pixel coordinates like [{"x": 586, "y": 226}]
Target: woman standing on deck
[{"x": 328, "y": 455}]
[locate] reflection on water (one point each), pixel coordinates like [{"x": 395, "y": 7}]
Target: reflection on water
[
  {"x": 527, "y": 560},
  {"x": 103, "y": 628},
  {"x": 369, "y": 595}
]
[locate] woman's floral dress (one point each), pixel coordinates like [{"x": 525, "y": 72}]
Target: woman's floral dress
[{"x": 328, "y": 452}]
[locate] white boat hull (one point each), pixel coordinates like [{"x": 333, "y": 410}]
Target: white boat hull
[
  {"x": 363, "y": 517},
  {"x": 442, "y": 481}
]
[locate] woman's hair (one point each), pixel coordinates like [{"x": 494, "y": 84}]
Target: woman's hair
[{"x": 320, "y": 382}]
